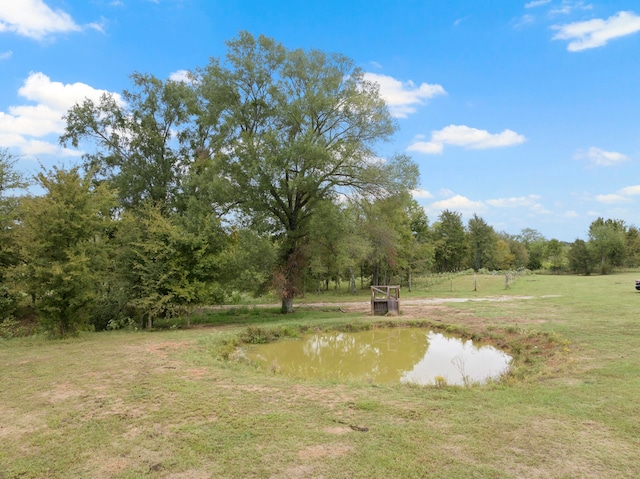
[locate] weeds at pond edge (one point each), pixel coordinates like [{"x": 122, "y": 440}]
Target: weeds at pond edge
[{"x": 532, "y": 351}]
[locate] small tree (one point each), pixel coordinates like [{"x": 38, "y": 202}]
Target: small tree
[
  {"x": 420, "y": 251},
  {"x": 535, "y": 245},
  {"x": 555, "y": 254},
  {"x": 9, "y": 249},
  {"x": 482, "y": 243},
  {"x": 632, "y": 247},
  {"x": 580, "y": 258},
  {"x": 165, "y": 263},
  {"x": 451, "y": 247},
  {"x": 64, "y": 238},
  {"x": 503, "y": 257},
  {"x": 607, "y": 243}
]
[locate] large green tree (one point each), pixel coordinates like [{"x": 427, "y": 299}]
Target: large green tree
[
  {"x": 289, "y": 129},
  {"x": 139, "y": 140}
]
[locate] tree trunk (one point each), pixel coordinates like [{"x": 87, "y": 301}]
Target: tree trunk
[
  {"x": 352, "y": 281},
  {"x": 287, "y": 305}
]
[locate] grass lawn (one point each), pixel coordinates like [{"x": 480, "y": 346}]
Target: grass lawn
[{"x": 165, "y": 404}]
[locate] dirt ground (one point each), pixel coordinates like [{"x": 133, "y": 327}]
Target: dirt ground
[{"x": 433, "y": 308}]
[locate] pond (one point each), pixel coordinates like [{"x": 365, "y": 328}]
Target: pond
[{"x": 393, "y": 355}]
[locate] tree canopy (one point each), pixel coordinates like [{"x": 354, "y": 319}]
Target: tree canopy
[{"x": 139, "y": 138}]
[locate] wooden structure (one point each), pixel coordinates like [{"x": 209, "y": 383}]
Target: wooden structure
[{"x": 385, "y": 300}]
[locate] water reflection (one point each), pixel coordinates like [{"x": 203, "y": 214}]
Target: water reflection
[{"x": 411, "y": 355}]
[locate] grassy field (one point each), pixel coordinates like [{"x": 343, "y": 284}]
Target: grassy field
[{"x": 166, "y": 404}]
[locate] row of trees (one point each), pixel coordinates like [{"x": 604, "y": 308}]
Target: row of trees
[
  {"x": 259, "y": 173},
  {"x": 82, "y": 259},
  {"x": 610, "y": 244}
]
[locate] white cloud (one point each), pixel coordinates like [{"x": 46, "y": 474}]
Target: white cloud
[
  {"x": 524, "y": 206},
  {"x": 466, "y": 137},
  {"x": 421, "y": 194},
  {"x": 402, "y": 97},
  {"x": 460, "y": 204},
  {"x": 98, "y": 26},
  {"x": 459, "y": 21},
  {"x": 536, "y": 3},
  {"x": 539, "y": 209},
  {"x": 531, "y": 202},
  {"x": 623, "y": 195},
  {"x": 612, "y": 199},
  {"x": 445, "y": 193},
  {"x": 6, "y": 55},
  {"x": 38, "y": 147},
  {"x": 630, "y": 190},
  {"x": 597, "y": 32},
  {"x": 568, "y": 6},
  {"x": 180, "y": 76},
  {"x": 599, "y": 157},
  {"x": 524, "y": 20},
  {"x": 514, "y": 202},
  {"x": 426, "y": 147},
  {"x": 59, "y": 96},
  {"x": 26, "y": 126},
  {"x": 34, "y": 19},
  {"x": 570, "y": 214}
]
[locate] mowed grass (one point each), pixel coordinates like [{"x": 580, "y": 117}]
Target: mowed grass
[{"x": 163, "y": 404}]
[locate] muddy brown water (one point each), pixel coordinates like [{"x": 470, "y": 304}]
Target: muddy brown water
[{"x": 394, "y": 355}]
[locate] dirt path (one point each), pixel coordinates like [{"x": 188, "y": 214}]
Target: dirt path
[{"x": 358, "y": 305}]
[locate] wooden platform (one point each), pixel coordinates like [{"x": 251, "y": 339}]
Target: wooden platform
[{"x": 385, "y": 300}]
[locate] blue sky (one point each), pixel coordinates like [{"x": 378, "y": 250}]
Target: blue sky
[{"x": 526, "y": 113}]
